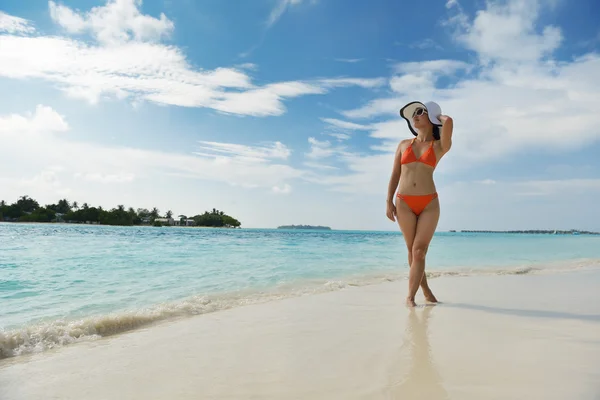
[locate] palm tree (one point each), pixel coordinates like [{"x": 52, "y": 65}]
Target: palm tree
[
  {"x": 169, "y": 214},
  {"x": 63, "y": 206},
  {"x": 27, "y": 204},
  {"x": 75, "y": 205}
]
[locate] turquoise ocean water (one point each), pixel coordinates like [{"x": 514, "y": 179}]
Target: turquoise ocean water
[{"x": 65, "y": 283}]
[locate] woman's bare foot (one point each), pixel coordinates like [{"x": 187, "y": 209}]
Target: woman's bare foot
[
  {"x": 410, "y": 302},
  {"x": 429, "y": 296}
]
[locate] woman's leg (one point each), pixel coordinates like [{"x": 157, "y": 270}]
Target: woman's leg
[
  {"x": 407, "y": 220},
  {"x": 426, "y": 224},
  {"x": 429, "y": 296}
]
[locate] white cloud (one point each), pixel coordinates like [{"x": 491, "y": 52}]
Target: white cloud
[
  {"x": 12, "y": 24},
  {"x": 590, "y": 42},
  {"x": 285, "y": 189},
  {"x": 541, "y": 204},
  {"x": 432, "y": 67},
  {"x": 266, "y": 100},
  {"x": 320, "y": 149},
  {"x": 127, "y": 64},
  {"x": 367, "y": 83},
  {"x": 427, "y": 43},
  {"x": 507, "y": 32},
  {"x": 43, "y": 119},
  {"x": 341, "y": 130},
  {"x": 67, "y": 18},
  {"x": 250, "y": 66},
  {"x": 317, "y": 165},
  {"x": 144, "y": 71},
  {"x": 394, "y": 130},
  {"x": 320, "y": 158},
  {"x": 262, "y": 166},
  {"x": 459, "y": 20},
  {"x": 415, "y": 79},
  {"x": 346, "y": 124},
  {"x": 140, "y": 70},
  {"x": 106, "y": 178},
  {"x": 349, "y": 60},
  {"x": 48, "y": 181},
  {"x": 116, "y": 22},
  {"x": 241, "y": 152},
  {"x": 339, "y": 136},
  {"x": 281, "y": 7},
  {"x": 384, "y": 105},
  {"x": 422, "y": 76},
  {"x": 573, "y": 187},
  {"x": 368, "y": 175}
]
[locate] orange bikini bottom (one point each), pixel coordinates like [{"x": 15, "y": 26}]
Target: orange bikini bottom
[{"x": 417, "y": 203}]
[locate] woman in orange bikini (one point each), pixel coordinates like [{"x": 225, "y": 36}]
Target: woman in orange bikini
[{"x": 417, "y": 208}]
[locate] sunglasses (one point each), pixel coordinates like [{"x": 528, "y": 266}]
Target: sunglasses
[{"x": 419, "y": 111}]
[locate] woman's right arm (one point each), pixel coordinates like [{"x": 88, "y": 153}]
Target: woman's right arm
[{"x": 395, "y": 177}]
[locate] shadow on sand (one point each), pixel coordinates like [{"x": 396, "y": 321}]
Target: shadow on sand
[{"x": 526, "y": 313}]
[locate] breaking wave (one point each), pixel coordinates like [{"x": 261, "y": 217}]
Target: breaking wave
[{"x": 52, "y": 334}]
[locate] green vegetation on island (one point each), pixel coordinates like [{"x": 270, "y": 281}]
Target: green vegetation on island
[
  {"x": 317, "y": 227},
  {"x": 26, "y": 209}
]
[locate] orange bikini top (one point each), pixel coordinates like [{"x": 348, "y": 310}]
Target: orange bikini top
[{"x": 428, "y": 157}]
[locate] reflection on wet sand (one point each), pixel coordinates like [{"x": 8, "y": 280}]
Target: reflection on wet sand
[{"x": 421, "y": 380}]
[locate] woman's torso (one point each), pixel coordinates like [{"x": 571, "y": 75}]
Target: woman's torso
[{"x": 416, "y": 174}]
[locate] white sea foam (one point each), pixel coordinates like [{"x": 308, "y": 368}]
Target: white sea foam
[{"x": 39, "y": 337}]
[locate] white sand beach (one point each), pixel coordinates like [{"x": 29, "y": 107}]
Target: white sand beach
[{"x": 494, "y": 337}]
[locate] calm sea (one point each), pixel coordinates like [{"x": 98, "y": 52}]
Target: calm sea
[{"x": 65, "y": 283}]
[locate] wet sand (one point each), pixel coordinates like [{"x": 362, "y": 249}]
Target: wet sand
[{"x": 492, "y": 337}]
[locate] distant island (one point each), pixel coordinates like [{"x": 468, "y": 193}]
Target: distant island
[
  {"x": 535, "y": 231},
  {"x": 26, "y": 209},
  {"x": 317, "y": 227}
]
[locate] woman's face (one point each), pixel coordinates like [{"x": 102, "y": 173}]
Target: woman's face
[{"x": 420, "y": 118}]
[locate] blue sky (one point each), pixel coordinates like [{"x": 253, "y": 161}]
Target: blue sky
[{"x": 286, "y": 111}]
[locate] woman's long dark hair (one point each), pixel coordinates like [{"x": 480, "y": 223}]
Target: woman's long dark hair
[{"x": 436, "y": 132}]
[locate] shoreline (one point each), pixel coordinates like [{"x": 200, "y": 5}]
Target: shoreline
[
  {"x": 482, "y": 341},
  {"x": 123, "y": 226},
  {"x": 55, "y": 333},
  {"x": 544, "y": 232},
  {"x": 532, "y": 231}
]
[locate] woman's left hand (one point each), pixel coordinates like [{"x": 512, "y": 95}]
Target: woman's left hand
[{"x": 443, "y": 118}]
